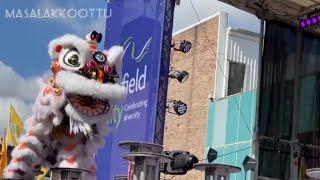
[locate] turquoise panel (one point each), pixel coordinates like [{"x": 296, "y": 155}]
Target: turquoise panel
[
  {"x": 246, "y": 116},
  {"x": 234, "y": 177},
  {"x": 243, "y": 151},
  {"x": 253, "y": 123},
  {"x": 232, "y": 119},
  {"x": 230, "y": 155},
  {"x": 219, "y": 159},
  {"x": 220, "y": 123},
  {"x": 210, "y": 128},
  {"x": 228, "y": 122}
]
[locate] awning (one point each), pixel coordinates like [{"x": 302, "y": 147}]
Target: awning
[{"x": 282, "y": 10}]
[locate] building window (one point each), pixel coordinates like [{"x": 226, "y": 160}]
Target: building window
[{"x": 236, "y": 77}]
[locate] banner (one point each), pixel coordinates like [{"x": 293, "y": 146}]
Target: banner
[{"x": 138, "y": 26}]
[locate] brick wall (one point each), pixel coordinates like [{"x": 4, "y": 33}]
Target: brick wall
[{"x": 188, "y": 132}]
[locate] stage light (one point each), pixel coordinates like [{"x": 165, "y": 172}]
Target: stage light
[
  {"x": 302, "y": 24},
  {"x": 212, "y": 155},
  {"x": 249, "y": 163},
  {"x": 309, "y": 18},
  {"x": 182, "y": 162},
  {"x": 181, "y": 76},
  {"x": 182, "y": 46},
  {"x": 314, "y": 20},
  {"x": 308, "y": 22},
  {"x": 179, "y": 107}
]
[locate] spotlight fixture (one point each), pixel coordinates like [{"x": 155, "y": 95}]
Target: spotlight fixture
[
  {"x": 314, "y": 20},
  {"x": 181, "y": 76},
  {"x": 182, "y": 46},
  {"x": 249, "y": 163},
  {"x": 179, "y": 107},
  {"x": 182, "y": 162},
  {"x": 212, "y": 155},
  {"x": 309, "y": 18}
]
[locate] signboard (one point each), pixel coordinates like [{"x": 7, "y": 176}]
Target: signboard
[{"x": 138, "y": 26}]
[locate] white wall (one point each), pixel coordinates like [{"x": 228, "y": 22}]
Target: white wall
[
  {"x": 219, "y": 84},
  {"x": 240, "y": 46}
]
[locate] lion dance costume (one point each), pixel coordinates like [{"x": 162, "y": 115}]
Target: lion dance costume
[{"x": 71, "y": 112}]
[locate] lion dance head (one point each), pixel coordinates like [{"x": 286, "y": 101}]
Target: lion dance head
[
  {"x": 89, "y": 78},
  {"x": 71, "y": 112}
]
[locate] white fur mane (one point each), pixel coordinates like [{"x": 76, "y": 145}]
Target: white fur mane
[
  {"x": 69, "y": 40},
  {"x": 73, "y": 83}
]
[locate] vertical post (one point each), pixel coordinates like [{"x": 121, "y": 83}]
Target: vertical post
[
  {"x": 164, "y": 71},
  {"x": 256, "y": 134},
  {"x": 294, "y": 142}
]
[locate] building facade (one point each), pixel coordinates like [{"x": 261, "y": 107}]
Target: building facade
[
  {"x": 188, "y": 132},
  {"x": 221, "y": 64}
]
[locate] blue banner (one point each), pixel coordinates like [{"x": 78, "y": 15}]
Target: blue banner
[{"x": 138, "y": 26}]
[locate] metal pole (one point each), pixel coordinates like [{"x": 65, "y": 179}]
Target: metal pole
[
  {"x": 164, "y": 71},
  {"x": 257, "y": 139}
]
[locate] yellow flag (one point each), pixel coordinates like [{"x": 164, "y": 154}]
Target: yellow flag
[
  {"x": 12, "y": 140},
  {"x": 15, "y": 120},
  {"x": 44, "y": 171},
  {"x": 3, "y": 153}
]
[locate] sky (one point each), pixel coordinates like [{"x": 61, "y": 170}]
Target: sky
[
  {"x": 24, "y": 59},
  {"x": 185, "y": 14}
]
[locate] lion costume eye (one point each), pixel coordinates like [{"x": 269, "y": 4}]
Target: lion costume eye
[{"x": 71, "y": 58}]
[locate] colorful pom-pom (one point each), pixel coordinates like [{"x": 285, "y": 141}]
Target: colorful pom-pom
[{"x": 108, "y": 69}]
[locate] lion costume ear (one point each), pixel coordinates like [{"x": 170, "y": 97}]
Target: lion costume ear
[
  {"x": 114, "y": 57},
  {"x": 54, "y": 50},
  {"x": 56, "y": 45}
]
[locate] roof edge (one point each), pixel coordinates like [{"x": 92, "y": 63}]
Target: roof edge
[
  {"x": 243, "y": 31},
  {"x": 197, "y": 23}
]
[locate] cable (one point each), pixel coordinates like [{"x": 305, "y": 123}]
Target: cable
[
  {"x": 239, "y": 150},
  {"x": 234, "y": 151},
  {"x": 219, "y": 65}
]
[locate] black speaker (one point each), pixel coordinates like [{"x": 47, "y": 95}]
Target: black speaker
[{"x": 212, "y": 155}]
